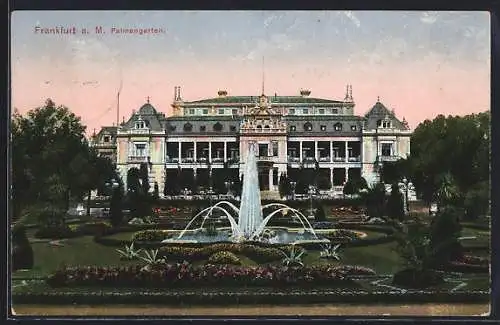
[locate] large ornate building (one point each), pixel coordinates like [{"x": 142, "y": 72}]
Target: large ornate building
[{"x": 291, "y": 132}]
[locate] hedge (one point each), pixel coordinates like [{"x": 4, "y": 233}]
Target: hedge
[{"x": 237, "y": 296}]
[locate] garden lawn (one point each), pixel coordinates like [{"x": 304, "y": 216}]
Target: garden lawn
[{"x": 75, "y": 251}]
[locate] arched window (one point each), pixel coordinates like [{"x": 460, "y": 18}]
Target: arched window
[
  {"x": 337, "y": 126},
  {"x": 188, "y": 127},
  {"x": 308, "y": 126},
  {"x": 217, "y": 127}
]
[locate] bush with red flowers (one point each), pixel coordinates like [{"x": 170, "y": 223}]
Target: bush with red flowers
[{"x": 187, "y": 275}]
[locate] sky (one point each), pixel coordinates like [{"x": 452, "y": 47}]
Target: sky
[{"x": 420, "y": 64}]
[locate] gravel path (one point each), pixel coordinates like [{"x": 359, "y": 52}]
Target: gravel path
[{"x": 255, "y": 310}]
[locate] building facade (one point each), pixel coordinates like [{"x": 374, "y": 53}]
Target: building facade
[{"x": 292, "y": 133}]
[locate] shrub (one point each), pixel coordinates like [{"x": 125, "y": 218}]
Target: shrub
[
  {"x": 22, "y": 253},
  {"x": 95, "y": 228},
  {"x": 55, "y": 232},
  {"x": 395, "y": 204},
  {"x": 419, "y": 279},
  {"x": 224, "y": 257},
  {"x": 151, "y": 235},
  {"x": 186, "y": 275}
]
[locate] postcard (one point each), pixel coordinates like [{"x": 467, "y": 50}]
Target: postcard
[{"x": 249, "y": 163}]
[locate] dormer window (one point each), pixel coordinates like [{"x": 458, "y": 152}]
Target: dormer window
[
  {"x": 384, "y": 124},
  {"x": 191, "y": 111},
  {"x": 234, "y": 111},
  {"x": 291, "y": 111},
  {"x": 188, "y": 127},
  {"x": 353, "y": 127},
  {"x": 337, "y": 126},
  {"x": 321, "y": 111},
  {"x": 308, "y": 126},
  {"x": 323, "y": 128},
  {"x": 172, "y": 128},
  {"x": 140, "y": 125},
  {"x": 203, "y": 128},
  {"x": 106, "y": 139},
  {"x": 335, "y": 111},
  {"x": 305, "y": 111},
  {"x": 232, "y": 128},
  {"x": 205, "y": 111},
  {"x": 217, "y": 127},
  {"x": 221, "y": 111}
]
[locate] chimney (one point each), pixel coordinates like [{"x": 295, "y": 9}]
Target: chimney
[{"x": 222, "y": 93}]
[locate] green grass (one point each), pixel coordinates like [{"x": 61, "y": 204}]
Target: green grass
[{"x": 76, "y": 251}]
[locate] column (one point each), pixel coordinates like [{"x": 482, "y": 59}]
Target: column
[
  {"x": 316, "y": 150},
  {"x": 300, "y": 151},
  {"x": 225, "y": 151},
  {"x": 210, "y": 151},
  {"x": 194, "y": 152},
  {"x": 346, "y": 174},
  {"x": 180, "y": 151},
  {"x": 270, "y": 179},
  {"x": 346, "y": 151},
  {"x": 331, "y": 178},
  {"x": 331, "y": 151}
]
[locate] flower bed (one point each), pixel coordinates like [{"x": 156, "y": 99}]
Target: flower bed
[
  {"x": 150, "y": 235},
  {"x": 342, "y": 236},
  {"x": 257, "y": 253},
  {"x": 224, "y": 257},
  {"x": 187, "y": 275}
]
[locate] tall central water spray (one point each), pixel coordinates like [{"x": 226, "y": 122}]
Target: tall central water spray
[{"x": 250, "y": 214}]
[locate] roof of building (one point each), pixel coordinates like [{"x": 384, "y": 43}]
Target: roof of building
[
  {"x": 147, "y": 113},
  {"x": 272, "y": 99},
  {"x": 380, "y": 111}
]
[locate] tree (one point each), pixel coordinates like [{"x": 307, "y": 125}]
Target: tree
[
  {"x": 320, "y": 212},
  {"x": 156, "y": 192},
  {"x": 22, "y": 252},
  {"x": 445, "y": 230},
  {"x": 395, "y": 204},
  {"x": 374, "y": 199},
  {"x": 144, "y": 177},
  {"x": 116, "y": 207},
  {"x": 394, "y": 171},
  {"x": 477, "y": 201},
  {"x": 450, "y": 145},
  {"x": 354, "y": 185},
  {"x": 448, "y": 191},
  {"x": 48, "y": 142},
  {"x": 284, "y": 186}
]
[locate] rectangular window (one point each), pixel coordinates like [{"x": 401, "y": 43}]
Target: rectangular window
[
  {"x": 106, "y": 139},
  {"x": 305, "y": 111},
  {"x": 205, "y": 111},
  {"x": 263, "y": 150},
  {"x": 191, "y": 111},
  {"x": 321, "y": 111},
  {"x": 140, "y": 150},
  {"x": 335, "y": 111},
  {"x": 234, "y": 111},
  {"x": 291, "y": 111},
  {"x": 386, "y": 149},
  {"x": 203, "y": 128},
  {"x": 221, "y": 111},
  {"x": 275, "y": 148}
]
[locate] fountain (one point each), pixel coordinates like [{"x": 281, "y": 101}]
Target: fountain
[{"x": 251, "y": 225}]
